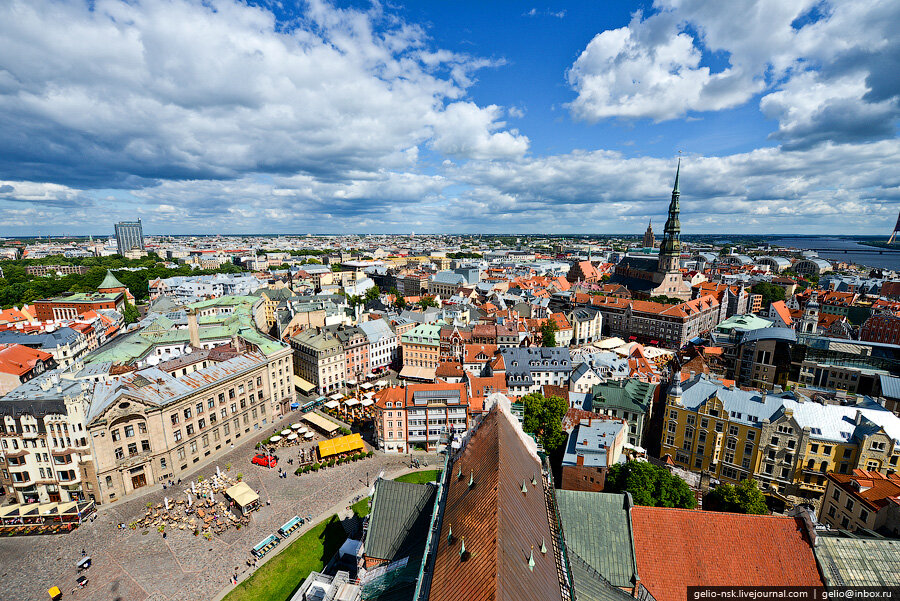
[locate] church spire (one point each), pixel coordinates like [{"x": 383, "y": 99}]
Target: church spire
[{"x": 670, "y": 249}]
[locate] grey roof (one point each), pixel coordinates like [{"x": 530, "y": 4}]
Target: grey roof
[
  {"x": 398, "y": 526},
  {"x": 521, "y": 362},
  {"x": 449, "y": 277},
  {"x": 592, "y": 442},
  {"x": 787, "y": 334},
  {"x": 890, "y": 386},
  {"x": 640, "y": 263},
  {"x": 376, "y": 329},
  {"x": 597, "y": 529},
  {"x": 854, "y": 561},
  {"x": 48, "y": 340}
]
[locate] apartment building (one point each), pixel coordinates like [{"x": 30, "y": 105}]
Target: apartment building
[
  {"x": 19, "y": 364},
  {"x": 74, "y": 304},
  {"x": 420, "y": 351},
  {"x": 149, "y": 426},
  {"x": 384, "y": 344},
  {"x": 862, "y": 500},
  {"x": 665, "y": 325},
  {"x": 587, "y": 325},
  {"x": 786, "y": 442},
  {"x": 530, "y": 369},
  {"x": 420, "y": 416},
  {"x": 319, "y": 359},
  {"x": 45, "y": 453}
]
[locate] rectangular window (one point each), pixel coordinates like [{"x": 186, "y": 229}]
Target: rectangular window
[
  {"x": 129, "y": 431},
  {"x": 211, "y": 404},
  {"x": 190, "y": 429},
  {"x": 120, "y": 454},
  {"x": 226, "y": 429},
  {"x": 142, "y": 428},
  {"x": 181, "y": 452},
  {"x": 177, "y": 435},
  {"x": 145, "y": 446},
  {"x": 199, "y": 408},
  {"x": 201, "y": 423},
  {"x": 187, "y": 413},
  {"x": 175, "y": 418},
  {"x": 193, "y": 446},
  {"x": 132, "y": 448},
  {"x": 116, "y": 436}
]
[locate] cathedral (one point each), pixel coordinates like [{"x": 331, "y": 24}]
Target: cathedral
[{"x": 651, "y": 276}]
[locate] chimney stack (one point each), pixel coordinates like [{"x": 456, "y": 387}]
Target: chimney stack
[{"x": 193, "y": 328}]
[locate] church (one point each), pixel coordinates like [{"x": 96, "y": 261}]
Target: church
[{"x": 651, "y": 276}]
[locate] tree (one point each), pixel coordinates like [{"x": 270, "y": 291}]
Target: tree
[
  {"x": 543, "y": 418},
  {"x": 548, "y": 333},
  {"x": 373, "y": 294},
  {"x": 130, "y": 313},
  {"x": 650, "y": 485},
  {"x": 427, "y": 301},
  {"x": 398, "y": 299},
  {"x": 770, "y": 292},
  {"x": 666, "y": 300},
  {"x": 745, "y": 497}
]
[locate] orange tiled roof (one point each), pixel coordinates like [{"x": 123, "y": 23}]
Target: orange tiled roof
[
  {"x": 677, "y": 548},
  {"x": 19, "y": 360},
  {"x": 875, "y": 489}
]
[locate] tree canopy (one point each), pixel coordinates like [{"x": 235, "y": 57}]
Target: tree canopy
[
  {"x": 373, "y": 294},
  {"x": 770, "y": 292},
  {"x": 548, "y": 333},
  {"x": 744, "y": 497},
  {"x": 427, "y": 301},
  {"x": 543, "y": 418},
  {"x": 650, "y": 485}
]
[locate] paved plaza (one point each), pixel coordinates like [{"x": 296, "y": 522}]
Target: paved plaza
[{"x": 129, "y": 565}]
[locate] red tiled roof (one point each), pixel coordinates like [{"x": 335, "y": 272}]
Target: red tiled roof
[
  {"x": 19, "y": 360},
  {"x": 874, "y": 488},
  {"x": 500, "y": 524},
  {"x": 677, "y": 548}
]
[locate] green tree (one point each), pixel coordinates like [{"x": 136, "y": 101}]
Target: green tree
[
  {"x": 543, "y": 418},
  {"x": 548, "y": 333},
  {"x": 666, "y": 300},
  {"x": 649, "y": 484},
  {"x": 130, "y": 313},
  {"x": 427, "y": 301},
  {"x": 398, "y": 298},
  {"x": 770, "y": 292},
  {"x": 373, "y": 294},
  {"x": 744, "y": 497}
]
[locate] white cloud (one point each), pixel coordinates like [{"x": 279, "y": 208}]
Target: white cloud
[
  {"x": 128, "y": 92},
  {"x": 654, "y": 67}
]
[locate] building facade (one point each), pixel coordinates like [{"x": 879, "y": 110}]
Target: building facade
[
  {"x": 420, "y": 416},
  {"x": 129, "y": 236}
]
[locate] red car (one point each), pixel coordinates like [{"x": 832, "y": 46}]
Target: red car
[{"x": 264, "y": 460}]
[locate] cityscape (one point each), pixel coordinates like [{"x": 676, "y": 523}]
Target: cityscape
[{"x": 343, "y": 301}]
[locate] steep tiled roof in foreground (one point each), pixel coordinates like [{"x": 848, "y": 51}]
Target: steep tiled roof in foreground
[
  {"x": 502, "y": 526},
  {"x": 678, "y": 548}
]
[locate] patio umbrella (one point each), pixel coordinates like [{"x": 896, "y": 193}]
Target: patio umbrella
[
  {"x": 308, "y": 435},
  {"x": 292, "y": 437},
  {"x": 285, "y": 432},
  {"x": 275, "y": 439},
  {"x": 166, "y": 502},
  {"x": 296, "y": 426}
]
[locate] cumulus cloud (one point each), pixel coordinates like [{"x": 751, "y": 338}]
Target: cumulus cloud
[
  {"x": 829, "y": 71},
  {"x": 116, "y": 93}
]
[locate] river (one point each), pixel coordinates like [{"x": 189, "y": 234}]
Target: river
[{"x": 869, "y": 259}]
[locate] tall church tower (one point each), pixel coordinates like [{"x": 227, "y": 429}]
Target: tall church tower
[
  {"x": 670, "y": 248},
  {"x": 649, "y": 238}
]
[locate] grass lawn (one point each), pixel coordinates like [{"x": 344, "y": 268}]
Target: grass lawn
[
  {"x": 278, "y": 578},
  {"x": 420, "y": 477},
  {"x": 361, "y": 508}
]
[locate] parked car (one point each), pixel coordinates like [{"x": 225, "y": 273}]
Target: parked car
[{"x": 264, "y": 460}]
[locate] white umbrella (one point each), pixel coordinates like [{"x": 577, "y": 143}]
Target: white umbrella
[
  {"x": 292, "y": 437},
  {"x": 308, "y": 435},
  {"x": 190, "y": 501},
  {"x": 166, "y": 502},
  {"x": 275, "y": 439},
  {"x": 296, "y": 426},
  {"x": 285, "y": 432}
]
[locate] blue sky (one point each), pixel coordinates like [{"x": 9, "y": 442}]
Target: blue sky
[{"x": 313, "y": 117}]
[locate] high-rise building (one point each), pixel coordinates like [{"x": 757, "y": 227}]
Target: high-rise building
[
  {"x": 129, "y": 236},
  {"x": 649, "y": 238}
]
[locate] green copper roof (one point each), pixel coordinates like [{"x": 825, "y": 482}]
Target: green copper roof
[
  {"x": 743, "y": 322},
  {"x": 631, "y": 395},
  {"x": 858, "y": 561},
  {"x": 110, "y": 281},
  {"x": 598, "y": 531}
]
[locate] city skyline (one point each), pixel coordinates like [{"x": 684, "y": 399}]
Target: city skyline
[{"x": 567, "y": 119}]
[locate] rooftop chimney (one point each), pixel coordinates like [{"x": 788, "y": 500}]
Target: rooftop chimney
[{"x": 193, "y": 328}]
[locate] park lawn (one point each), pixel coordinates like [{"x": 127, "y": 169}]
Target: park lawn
[
  {"x": 279, "y": 578},
  {"x": 422, "y": 477},
  {"x": 361, "y": 508}
]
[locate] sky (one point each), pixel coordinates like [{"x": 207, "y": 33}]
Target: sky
[{"x": 267, "y": 116}]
